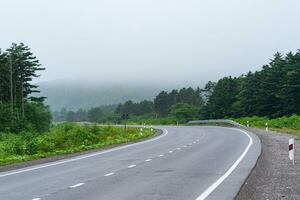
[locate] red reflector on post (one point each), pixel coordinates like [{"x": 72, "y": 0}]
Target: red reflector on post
[{"x": 291, "y": 147}]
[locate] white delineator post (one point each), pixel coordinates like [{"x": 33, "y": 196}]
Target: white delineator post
[
  {"x": 267, "y": 127},
  {"x": 292, "y": 150},
  {"x": 247, "y": 123},
  {"x": 141, "y": 131}
]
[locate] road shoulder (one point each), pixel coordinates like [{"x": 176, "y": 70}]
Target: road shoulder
[{"x": 274, "y": 176}]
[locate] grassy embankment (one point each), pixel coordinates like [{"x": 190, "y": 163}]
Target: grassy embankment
[
  {"x": 63, "y": 139},
  {"x": 289, "y": 125}
]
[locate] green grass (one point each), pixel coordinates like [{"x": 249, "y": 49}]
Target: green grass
[
  {"x": 62, "y": 139},
  {"x": 290, "y": 125}
]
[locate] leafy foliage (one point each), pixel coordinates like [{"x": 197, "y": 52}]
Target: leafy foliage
[
  {"x": 19, "y": 110},
  {"x": 184, "y": 112},
  {"x": 271, "y": 92},
  {"x": 62, "y": 139},
  {"x": 164, "y": 100}
]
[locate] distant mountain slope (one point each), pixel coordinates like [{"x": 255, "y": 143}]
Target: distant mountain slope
[{"x": 73, "y": 96}]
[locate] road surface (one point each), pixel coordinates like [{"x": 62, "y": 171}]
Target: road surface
[{"x": 183, "y": 163}]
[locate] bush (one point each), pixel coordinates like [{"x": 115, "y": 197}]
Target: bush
[
  {"x": 61, "y": 139},
  {"x": 37, "y": 118},
  {"x": 290, "y": 122}
]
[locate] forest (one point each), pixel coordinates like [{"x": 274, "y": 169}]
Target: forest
[
  {"x": 20, "y": 110},
  {"x": 272, "y": 92},
  {"x": 270, "y": 95},
  {"x": 26, "y": 128}
]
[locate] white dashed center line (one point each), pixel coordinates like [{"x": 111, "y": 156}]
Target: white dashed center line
[
  {"x": 77, "y": 185},
  {"x": 109, "y": 174},
  {"x": 131, "y": 166},
  {"x": 36, "y": 199},
  {"x": 148, "y": 160},
  {"x": 178, "y": 148},
  {"x": 170, "y": 151},
  {"x": 161, "y": 155}
]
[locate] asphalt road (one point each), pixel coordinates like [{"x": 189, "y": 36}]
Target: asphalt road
[{"x": 183, "y": 163}]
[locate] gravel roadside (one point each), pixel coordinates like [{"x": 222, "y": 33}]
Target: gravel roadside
[{"x": 274, "y": 176}]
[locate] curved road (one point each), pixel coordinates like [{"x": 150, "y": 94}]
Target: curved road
[{"x": 183, "y": 163}]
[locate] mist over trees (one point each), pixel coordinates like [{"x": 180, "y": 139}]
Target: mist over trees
[
  {"x": 95, "y": 114},
  {"x": 272, "y": 92},
  {"x": 19, "y": 110}
]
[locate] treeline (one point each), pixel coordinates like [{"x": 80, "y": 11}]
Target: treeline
[
  {"x": 19, "y": 110},
  {"x": 272, "y": 92},
  {"x": 180, "y": 104},
  {"x": 101, "y": 114}
]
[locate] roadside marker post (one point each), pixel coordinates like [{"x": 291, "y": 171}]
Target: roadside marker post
[
  {"x": 267, "y": 127},
  {"x": 292, "y": 150},
  {"x": 248, "y": 124},
  {"x": 141, "y": 131}
]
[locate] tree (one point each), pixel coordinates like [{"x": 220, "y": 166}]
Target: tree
[
  {"x": 162, "y": 104},
  {"x": 38, "y": 116},
  {"x": 220, "y": 103},
  {"x": 94, "y": 114},
  {"x": 4, "y": 78},
  {"x": 184, "y": 112},
  {"x": 18, "y": 67},
  {"x": 24, "y": 68},
  {"x": 290, "y": 94},
  {"x": 208, "y": 90}
]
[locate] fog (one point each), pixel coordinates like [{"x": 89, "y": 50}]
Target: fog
[{"x": 150, "y": 41}]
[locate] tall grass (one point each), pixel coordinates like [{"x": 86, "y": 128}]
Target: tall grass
[{"x": 63, "y": 139}]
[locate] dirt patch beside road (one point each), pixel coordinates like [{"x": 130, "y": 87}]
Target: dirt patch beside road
[{"x": 274, "y": 176}]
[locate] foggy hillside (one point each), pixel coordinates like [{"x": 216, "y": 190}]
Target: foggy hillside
[{"x": 73, "y": 96}]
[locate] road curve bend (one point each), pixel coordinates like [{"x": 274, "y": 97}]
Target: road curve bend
[{"x": 184, "y": 163}]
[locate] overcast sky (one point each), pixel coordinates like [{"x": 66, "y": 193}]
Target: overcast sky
[{"x": 170, "y": 41}]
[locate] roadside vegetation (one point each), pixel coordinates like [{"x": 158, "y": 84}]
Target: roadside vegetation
[
  {"x": 63, "y": 139},
  {"x": 283, "y": 124},
  {"x": 26, "y": 132}
]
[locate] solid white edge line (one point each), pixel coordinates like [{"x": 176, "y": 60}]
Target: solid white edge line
[
  {"x": 211, "y": 188},
  {"x": 86, "y": 156},
  {"x": 109, "y": 174},
  {"x": 77, "y": 185}
]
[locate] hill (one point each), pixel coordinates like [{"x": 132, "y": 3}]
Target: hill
[{"x": 76, "y": 95}]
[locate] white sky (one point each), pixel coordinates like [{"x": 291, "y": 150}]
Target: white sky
[{"x": 166, "y": 41}]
